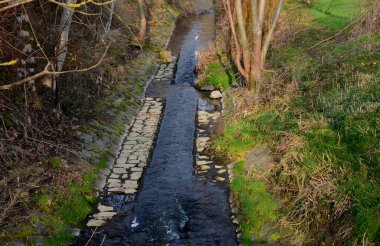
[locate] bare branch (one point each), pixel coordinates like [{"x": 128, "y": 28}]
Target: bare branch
[
  {"x": 237, "y": 46},
  {"x": 15, "y": 5},
  {"x": 23, "y": 81},
  {"x": 269, "y": 35},
  {"x": 46, "y": 71},
  {"x": 243, "y": 33},
  {"x": 255, "y": 17},
  {"x": 261, "y": 13}
]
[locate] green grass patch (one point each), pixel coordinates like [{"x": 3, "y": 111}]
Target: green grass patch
[
  {"x": 54, "y": 161},
  {"x": 242, "y": 135},
  {"x": 218, "y": 76},
  {"x": 258, "y": 209},
  {"x": 61, "y": 209},
  {"x": 336, "y": 13}
]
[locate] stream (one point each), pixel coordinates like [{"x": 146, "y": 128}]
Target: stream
[{"x": 176, "y": 204}]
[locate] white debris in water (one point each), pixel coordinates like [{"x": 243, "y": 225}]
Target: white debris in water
[{"x": 135, "y": 223}]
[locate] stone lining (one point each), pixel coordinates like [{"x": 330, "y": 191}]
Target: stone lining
[
  {"x": 134, "y": 154},
  {"x": 204, "y": 164}
]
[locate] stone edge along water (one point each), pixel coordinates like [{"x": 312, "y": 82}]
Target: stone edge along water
[{"x": 134, "y": 152}]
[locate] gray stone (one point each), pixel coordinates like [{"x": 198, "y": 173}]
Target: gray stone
[
  {"x": 100, "y": 182},
  {"x": 117, "y": 189},
  {"x": 105, "y": 171},
  {"x": 261, "y": 158},
  {"x": 114, "y": 185},
  {"x": 86, "y": 138},
  {"x": 131, "y": 186},
  {"x": 114, "y": 176},
  {"x": 104, "y": 215},
  {"x": 220, "y": 179},
  {"x": 95, "y": 223},
  {"x": 216, "y": 94},
  {"x": 201, "y": 162},
  {"x": 74, "y": 231},
  {"x": 207, "y": 88},
  {"x": 136, "y": 169},
  {"x": 204, "y": 168},
  {"x": 119, "y": 170},
  {"x": 114, "y": 181},
  {"x": 130, "y": 191},
  {"x": 127, "y": 166},
  {"x": 136, "y": 175},
  {"x": 103, "y": 208}
]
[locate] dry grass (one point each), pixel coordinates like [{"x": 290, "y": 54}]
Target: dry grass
[{"x": 369, "y": 23}]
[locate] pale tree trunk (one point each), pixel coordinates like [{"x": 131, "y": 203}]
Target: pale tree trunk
[
  {"x": 253, "y": 55},
  {"x": 107, "y": 28},
  {"x": 237, "y": 58},
  {"x": 243, "y": 33},
  {"x": 61, "y": 48},
  {"x": 142, "y": 31}
]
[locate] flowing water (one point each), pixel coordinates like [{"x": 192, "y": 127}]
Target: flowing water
[{"x": 175, "y": 205}]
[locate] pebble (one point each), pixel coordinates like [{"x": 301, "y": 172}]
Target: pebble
[
  {"x": 110, "y": 181},
  {"x": 95, "y": 223},
  {"x": 136, "y": 175},
  {"x": 113, "y": 185},
  {"x": 216, "y": 94},
  {"x": 119, "y": 170},
  {"x": 220, "y": 179},
  {"x": 205, "y": 167},
  {"x": 201, "y": 163},
  {"x": 103, "y": 208}
]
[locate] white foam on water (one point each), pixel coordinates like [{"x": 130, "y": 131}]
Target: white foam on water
[{"x": 135, "y": 223}]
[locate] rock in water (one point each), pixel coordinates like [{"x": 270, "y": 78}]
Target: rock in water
[
  {"x": 207, "y": 88},
  {"x": 166, "y": 56},
  {"x": 216, "y": 94}
]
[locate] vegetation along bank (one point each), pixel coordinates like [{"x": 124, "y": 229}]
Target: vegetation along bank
[{"x": 302, "y": 129}]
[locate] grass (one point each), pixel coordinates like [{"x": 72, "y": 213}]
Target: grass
[
  {"x": 54, "y": 161},
  {"x": 325, "y": 138},
  {"x": 257, "y": 206},
  {"x": 62, "y": 209},
  {"x": 58, "y": 210},
  {"x": 336, "y": 13},
  {"x": 218, "y": 76}
]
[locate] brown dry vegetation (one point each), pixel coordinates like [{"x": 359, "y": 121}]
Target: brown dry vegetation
[
  {"x": 316, "y": 183},
  {"x": 39, "y": 145}
]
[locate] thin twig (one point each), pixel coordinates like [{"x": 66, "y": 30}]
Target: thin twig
[
  {"x": 104, "y": 238},
  {"x": 338, "y": 33},
  {"x": 15, "y": 5},
  {"x": 92, "y": 235},
  {"x": 46, "y": 71}
]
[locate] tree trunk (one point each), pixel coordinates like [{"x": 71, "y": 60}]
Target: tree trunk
[
  {"x": 243, "y": 35},
  {"x": 109, "y": 21},
  {"x": 142, "y": 31},
  {"x": 62, "y": 46}
]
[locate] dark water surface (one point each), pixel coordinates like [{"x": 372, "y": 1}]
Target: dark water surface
[{"x": 174, "y": 206}]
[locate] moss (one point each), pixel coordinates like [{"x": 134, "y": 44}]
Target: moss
[
  {"x": 60, "y": 238},
  {"x": 258, "y": 208},
  {"x": 218, "y": 75},
  {"x": 54, "y": 161},
  {"x": 45, "y": 202}
]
